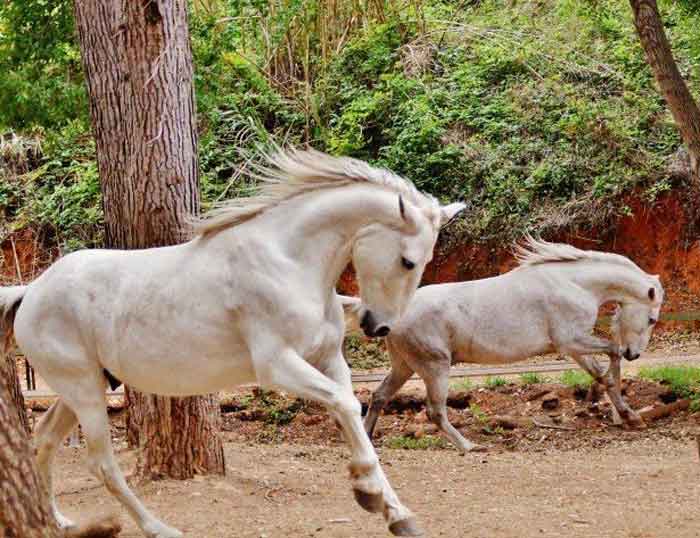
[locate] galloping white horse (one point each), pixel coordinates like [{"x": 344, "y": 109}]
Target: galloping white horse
[
  {"x": 250, "y": 299},
  {"x": 550, "y": 303}
]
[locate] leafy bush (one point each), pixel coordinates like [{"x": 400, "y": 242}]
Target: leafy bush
[{"x": 539, "y": 114}]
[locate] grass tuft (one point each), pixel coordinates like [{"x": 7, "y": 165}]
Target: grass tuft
[
  {"x": 682, "y": 380},
  {"x": 462, "y": 384},
  {"x": 576, "y": 378},
  {"x": 532, "y": 378},
  {"x": 427, "y": 442},
  {"x": 493, "y": 382}
]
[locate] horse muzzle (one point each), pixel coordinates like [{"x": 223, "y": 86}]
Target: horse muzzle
[
  {"x": 370, "y": 326},
  {"x": 630, "y": 356}
]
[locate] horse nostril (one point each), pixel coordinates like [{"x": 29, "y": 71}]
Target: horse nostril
[{"x": 382, "y": 331}]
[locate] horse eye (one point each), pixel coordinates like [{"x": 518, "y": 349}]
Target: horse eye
[
  {"x": 652, "y": 321},
  {"x": 408, "y": 264}
]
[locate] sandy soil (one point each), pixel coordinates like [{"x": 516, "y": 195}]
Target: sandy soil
[
  {"x": 288, "y": 477},
  {"x": 644, "y": 489}
]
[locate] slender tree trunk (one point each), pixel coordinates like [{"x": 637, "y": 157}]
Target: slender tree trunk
[
  {"x": 673, "y": 88},
  {"x": 15, "y": 389},
  {"x": 24, "y": 506},
  {"x": 138, "y": 65}
]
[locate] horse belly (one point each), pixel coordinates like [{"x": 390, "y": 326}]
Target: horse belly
[
  {"x": 183, "y": 367},
  {"x": 503, "y": 346}
]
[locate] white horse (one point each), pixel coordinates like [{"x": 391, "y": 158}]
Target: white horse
[
  {"x": 250, "y": 299},
  {"x": 549, "y": 303}
]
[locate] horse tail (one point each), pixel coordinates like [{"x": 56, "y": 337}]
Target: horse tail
[{"x": 10, "y": 299}]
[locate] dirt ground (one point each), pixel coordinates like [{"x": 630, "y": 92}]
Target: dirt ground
[
  {"x": 579, "y": 476},
  {"x": 642, "y": 489}
]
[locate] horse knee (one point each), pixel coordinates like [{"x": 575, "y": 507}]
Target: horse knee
[
  {"x": 436, "y": 414},
  {"x": 377, "y": 402},
  {"x": 347, "y": 405}
]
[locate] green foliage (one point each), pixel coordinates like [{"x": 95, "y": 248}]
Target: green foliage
[
  {"x": 576, "y": 379},
  {"x": 494, "y": 382},
  {"x": 427, "y": 442},
  {"x": 41, "y": 81},
  {"x": 462, "y": 384},
  {"x": 364, "y": 354},
  {"x": 540, "y": 114},
  {"x": 682, "y": 380},
  {"x": 532, "y": 378},
  {"x": 278, "y": 409},
  {"x": 61, "y": 195},
  {"x": 478, "y": 413}
]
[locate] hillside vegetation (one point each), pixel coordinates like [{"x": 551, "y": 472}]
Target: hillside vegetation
[{"x": 537, "y": 113}]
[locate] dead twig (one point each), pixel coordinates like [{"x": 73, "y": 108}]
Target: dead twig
[{"x": 551, "y": 426}]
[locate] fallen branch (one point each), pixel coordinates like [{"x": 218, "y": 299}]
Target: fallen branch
[
  {"x": 551, "y": 426},
  {"x": 665, "y": 410}
]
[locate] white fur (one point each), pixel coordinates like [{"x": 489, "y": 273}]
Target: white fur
[
  {"x": 550, "y": 303},
  {"x": 250, "y": 299}
]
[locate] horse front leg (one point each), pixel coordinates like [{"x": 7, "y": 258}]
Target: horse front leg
[
  {"x": 614, "y": 370},
  {"x": 288, "y": 371},
  {"x": 610, "y": 379}
]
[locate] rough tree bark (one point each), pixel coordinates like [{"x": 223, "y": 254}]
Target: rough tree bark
[
  {"x": 673, "y": 88},
  {"x": 9, "y": 372},
  {"x": 24, "y": 506},
  {"x": 138, "y": 66}
]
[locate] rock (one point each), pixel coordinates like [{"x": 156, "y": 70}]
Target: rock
[
  {"x": 537, "y": 394},
  {"x": 550, "y": 401},
  {"x": 251, "y": 415},
  {"x": 311, "y": 420},
  {"x": 404, "y": 402},
  {"x": 668, "y": 397},
  {"x": 459, "y": 399},
  {"x": 508, "y": 422}
]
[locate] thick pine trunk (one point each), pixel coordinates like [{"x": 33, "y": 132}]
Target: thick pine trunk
[
  {"x": 673, "y": 88},
  {"x": 24, "y": 507},
  {"x": 15, "y": 389},
  {"x": 138, "y": 66}
]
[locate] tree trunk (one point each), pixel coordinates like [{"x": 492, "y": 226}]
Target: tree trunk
[
  {"x": 15, "y": 389},
  {"x": 24, "y": 506},
  {"x": 673, "y": 88},
  {"x": 138, "y": 66}
]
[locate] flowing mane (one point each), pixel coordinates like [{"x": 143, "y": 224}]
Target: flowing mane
[
  {"x": 291, "y": 172},
  {"x": 536, "y": 252}
]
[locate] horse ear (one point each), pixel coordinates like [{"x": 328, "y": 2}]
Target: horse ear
[
  {"x": 652, "y": 294},
  {"x": 409, "y": 214},
  {"x": 448, "y": 212}
]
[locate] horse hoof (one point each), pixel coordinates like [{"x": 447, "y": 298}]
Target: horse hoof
[
  {"x": 372, "y": 502},
  {"x": 406, "y": 527},
  {"x": 475, "y": 448},
  {"x": 160, "y": 530}
]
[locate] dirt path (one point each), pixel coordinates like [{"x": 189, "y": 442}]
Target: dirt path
[{"x": 644, "y": 489}]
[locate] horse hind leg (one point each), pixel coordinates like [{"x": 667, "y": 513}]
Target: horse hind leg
[
  {"x": 398, "y": 375},
  {"x": 95, "y": 426},
  {"x": 437, "y": 386},
  {"x": 51, "y": 430},
  {"x": 84, "y": 395}
]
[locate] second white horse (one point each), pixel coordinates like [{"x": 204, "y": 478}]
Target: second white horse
[{"x": 548, "y": 304}]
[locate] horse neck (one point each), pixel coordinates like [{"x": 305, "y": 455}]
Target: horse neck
[
  {"x": 613, "y": 282},
  {"x": 318, "y": 229}
]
